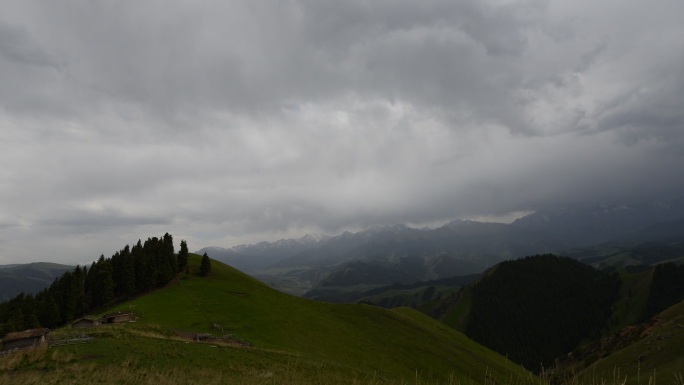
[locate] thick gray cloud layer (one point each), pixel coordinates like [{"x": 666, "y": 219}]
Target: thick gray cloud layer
[{"x": 232, "y": 122}]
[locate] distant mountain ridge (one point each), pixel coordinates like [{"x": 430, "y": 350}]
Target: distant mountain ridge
[
  {"x": 584, "y": 225},
  {"x": 28, "y": 278},
  {"x": 384, "y": 255},
  {"x": 251, "y": 257},
  {"x": 398, "y": 253}
]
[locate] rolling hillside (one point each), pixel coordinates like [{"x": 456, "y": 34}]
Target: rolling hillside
[
  {"x": 28, "y": 278},
  {"x": 289, "y": 337},
  {"x": 423, "y": 296},
  {"x": 406, "y": 255},
  {"x": 652, "y": 352}
]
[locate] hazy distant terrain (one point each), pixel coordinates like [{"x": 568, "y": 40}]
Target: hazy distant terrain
[
  {"x": 28, "y": 278},
  {"x": 343, "y": 266}
]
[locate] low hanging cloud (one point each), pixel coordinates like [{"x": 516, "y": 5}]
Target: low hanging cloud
[{"x": 227, "y": 123}]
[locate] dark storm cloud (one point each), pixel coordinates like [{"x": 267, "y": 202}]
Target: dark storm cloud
[
  {"x": 648, "y": 113},
  {"x": 96, "y": 219},
  {"x": 233, "y": 122},
  {"x": 17, "y": 46}
]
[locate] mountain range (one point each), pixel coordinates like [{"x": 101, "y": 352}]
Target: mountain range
[
  {"x": 342, "y": 268},
  {"x": 337, "y": 268}
]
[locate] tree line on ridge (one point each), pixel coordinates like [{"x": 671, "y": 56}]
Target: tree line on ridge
[{"x": 129, "y": 272}]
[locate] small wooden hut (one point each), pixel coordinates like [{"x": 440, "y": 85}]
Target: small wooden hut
[
  {"x": 85, "y": 322},
  {"x": 119, "y": 317},
  {"x": 25, "y": 339}
]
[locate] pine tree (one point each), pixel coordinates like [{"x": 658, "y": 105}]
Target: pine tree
[
  {"x": 139, "y": 266},
  {"x": 183, "y": 256},
  {"x": 205, "y": 266},
  {"x": 31, "y": 319},
  {"x": 149, "y": 274},
  {"x": 169, "y": 255},
  {"x": 65, "y": 296},
  {"x": 128, "y": 284},
  {"x": 48, "y": 312},
  {"x": 102, "y": 282},
  {"x": 16, "y": 321},
  {"x": 77, "y": 289},
  {"x": 9, "y": 327}
]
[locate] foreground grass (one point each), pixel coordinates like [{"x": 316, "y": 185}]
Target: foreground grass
[
  {"x": 154, "y": 354},
  {"x": 658, "y": 357},
  {"x": 125, "y": 355},
  {"x": 650, "y": 353},
  {"x": 127, "y": 358}
]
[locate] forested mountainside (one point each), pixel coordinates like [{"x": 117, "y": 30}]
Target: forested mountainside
[
  {"x": 537, "y": 308},
  {"x": 127, "y": 273},
  {"x": 516, "y": 305},
  {"x": 667, "y": 289}
]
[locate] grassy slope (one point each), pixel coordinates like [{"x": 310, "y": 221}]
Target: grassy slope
[
  {"x": 423, "y": 298},
  {"x": 295, "y": 340},
  {"x": 458, "y": 313},
  {"x": 633, "y": 296},
  {"x": 659, "y": 352},
  {"x": 353, "y": 335}
]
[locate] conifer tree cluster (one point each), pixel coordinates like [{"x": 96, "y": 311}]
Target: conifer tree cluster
[
  {"x": 205, "y": 266},
  {"x": 536, "y": 308},
  {"x": 667, "y": 289},
  {"x": 128, "y": 272}
]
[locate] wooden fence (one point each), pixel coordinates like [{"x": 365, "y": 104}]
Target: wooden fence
[{"x": 69, "y": 340}]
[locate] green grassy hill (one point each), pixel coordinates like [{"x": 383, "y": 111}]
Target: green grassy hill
[
  {"x": 655, "y": 353},
  {"x": 292, "y": 340}
]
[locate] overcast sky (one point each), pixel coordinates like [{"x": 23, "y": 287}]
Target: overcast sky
[{"x": 229, "y": 122}]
